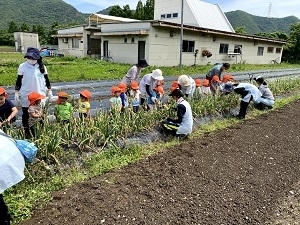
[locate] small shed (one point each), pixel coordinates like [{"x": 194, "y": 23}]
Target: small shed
[{"x": 23, "y": 40}]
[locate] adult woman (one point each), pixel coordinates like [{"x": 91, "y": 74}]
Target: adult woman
[
  {"x": 148, "y": 83},
  {"x": 133, "y": 74},
  {"x": 187, "y": 85},
  {"x": 216, "y": 71},
  {"x": 12, "y": 166},
  {"x": 32, "y": 77},
  {"x": 267, "y": 99}
]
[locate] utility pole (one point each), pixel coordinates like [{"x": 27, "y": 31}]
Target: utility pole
[
  {"x": 270, "y": 11},
  {"x": 181, "y": 37}
]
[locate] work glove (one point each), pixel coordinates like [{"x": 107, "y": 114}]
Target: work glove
[
  {"x": 153, "y": 99},
  {"x": 17, "y": 98}
]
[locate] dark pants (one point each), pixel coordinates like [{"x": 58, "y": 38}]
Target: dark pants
[
  {"x": 4, "y": 215},
  {"x": 135, "y": 109},
  {"x": 25, "y": 118},
  {"x": 243, "y": 110}
]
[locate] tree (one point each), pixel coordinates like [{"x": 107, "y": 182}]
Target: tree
[
  {"x": 24, "y": 27},
  {"x": 139, "y": 11},
  {"x": 127, "y": 13},
  {"x": 116, "y": 10},
  {"x": 293, "y": 46},
  {"x": 13, "y": 27},
  {"x": 240, "y": 30},
  {"x": 53, "y": 31},
  {"x": 149, "y": 10}
]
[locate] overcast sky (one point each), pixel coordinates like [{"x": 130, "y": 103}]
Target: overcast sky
[{"x": 279, "y": 8}]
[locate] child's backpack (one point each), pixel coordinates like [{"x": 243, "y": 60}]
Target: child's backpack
[{"x": 28, "y": 149}]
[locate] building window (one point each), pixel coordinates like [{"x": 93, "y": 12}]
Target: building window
[
  {"x": 223, "y": 48},
  {"x": 125, "y": 39},
  {"x": 132, "y": 40},
  {"x": 270, "y": 49},
  {"x": 237, "y": 49},
  {"x": 260, "y": 51},
  {"x": 169, "y": 15},
  {"x": 278, "y": 50},
  {"x": 188, "y": 46},
  {"x": 163, "y": 16},
  {"x": 75, "y": 43},
  {"x": 175, "y": 15}
]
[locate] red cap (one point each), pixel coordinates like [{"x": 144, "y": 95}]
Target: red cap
[{"x": 34, "y": 96}]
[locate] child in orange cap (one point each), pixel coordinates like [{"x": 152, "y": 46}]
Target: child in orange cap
[
  {"x": 84, "y": 104},
  {"x": 215, "y": 84},
  {"x": 35, "y": 111},
  {"x": 8, "y": 110},
  {"x": 115, "y": 101},
  {"x": 205, "y": 88},
  {"x": 159, "y": 94},
  {"x": 198, "y": 91},
  {"x": 123, "y": 96},
  {"x": 63, "y": 110},
  {"x": 135, "y": 96}
]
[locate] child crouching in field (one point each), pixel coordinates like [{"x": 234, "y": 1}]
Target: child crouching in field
[
  {"x": 205, "y": 88},
  {"x": 198, "y": 91},
  {"x": 135, "y": 96},
  {"x": 115, "y": 101},
  {"x": 8, "y": 110},
  {"x": 35, "y": 110},
  {"x": 63, "y": 110},
  {"x": 84, "y": 104},
  {"x": 123, "y": 96}
]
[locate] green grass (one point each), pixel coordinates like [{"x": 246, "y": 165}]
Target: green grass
[{"x": 78, "y": 69}]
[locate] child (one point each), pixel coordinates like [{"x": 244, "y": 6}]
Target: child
[
  {"x": 63, "y": 109},
  {"x": 35, "y": 111},
  {"x": 115, "y": 101},
  {"x": 152, "y": 101},
  {"x": 135, "y": 95},
  {"x": 159, "y": 94},
  {"x": 205, "y": 87},
  {"x": 123, "y": 96},
  {"x": 84, "y": 104},
  {"x": 198, "y": 90},
  {"x": 8, "y": 110},
  {"x": 215, "y": 83},
  {"x": 226, "y": 85}
]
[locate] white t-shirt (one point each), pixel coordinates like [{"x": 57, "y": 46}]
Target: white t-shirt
[
  {"x": 33, "y": 81},
  {"x": 12, "y": 163},
  {"x": 147, "y": 80}
]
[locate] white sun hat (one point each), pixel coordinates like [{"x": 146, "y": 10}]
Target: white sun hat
[
  {"x": 157, "y": 74},
  {"x": 184, "y": 80}
]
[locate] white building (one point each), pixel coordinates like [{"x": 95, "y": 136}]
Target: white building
[
  {"x": 23, "y": 40},
  {"x": 206, "y": 29}
]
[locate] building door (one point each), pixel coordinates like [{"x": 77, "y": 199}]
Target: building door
[
  {"x": 141, "y": 49},
  {"x": 105, "y": 48}
]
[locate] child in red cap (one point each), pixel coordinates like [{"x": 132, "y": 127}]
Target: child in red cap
[
  {"x": 135, "y": 96},
  {"x": 84, "y": 105},
  {"x": 35, "y": 111},
  {"x": 8, "y": 110},
  {"x": 63, "y": 110}
]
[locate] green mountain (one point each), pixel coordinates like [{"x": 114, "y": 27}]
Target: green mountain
[
  {"x": 258, "y": 24},
  {"x": 38, "y": 12}
]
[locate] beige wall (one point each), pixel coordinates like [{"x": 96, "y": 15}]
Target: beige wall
[
  {"x": 23, "y": 40},
  {"x": 164, "y": 50}
]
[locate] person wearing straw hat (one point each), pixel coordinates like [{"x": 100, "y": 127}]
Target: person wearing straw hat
[
  {"x": 148, "y": 83},
  {"x": 135, "y": 96},
  {"x": 63, "y": 110},
  {"x": 32, "y": 77},
  {"x": 133, "y": 74},
  {"x": 183, "y": 125},
  {"x": 267, "y": 99},
  {"x": 8, "y": 110},
  {"x": 35, "y": 110},
  {"x": 12, "y": 165},
  {"x": 187, "y": 85}
]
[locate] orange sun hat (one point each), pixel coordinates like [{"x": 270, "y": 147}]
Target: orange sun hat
[
  {"x": 34, "y": 96},
  {"x": 62, "y": 94},
  {"x": 134, "y": 85},
  {"x": 115, "y": 89},
  {"x": 122, "y": 86},
  {"x": 227, "y": 77},
  {"x": 86, "y": 94},
  {"x": 205, "y": 83},
  {"x": 198, "y": 82},
  {"x": 215, "y": 79},
  {"x": 3, "y": 91},
  {"x": 160, "y": 89}
]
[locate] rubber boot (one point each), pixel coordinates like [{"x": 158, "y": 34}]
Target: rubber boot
[{"x": 243, "y": 110}]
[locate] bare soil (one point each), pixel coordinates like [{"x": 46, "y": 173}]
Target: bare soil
[{"x": 248, "y": 173}]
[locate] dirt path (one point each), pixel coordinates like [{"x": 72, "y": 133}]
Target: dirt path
[{"x": 246, "y": 174}]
